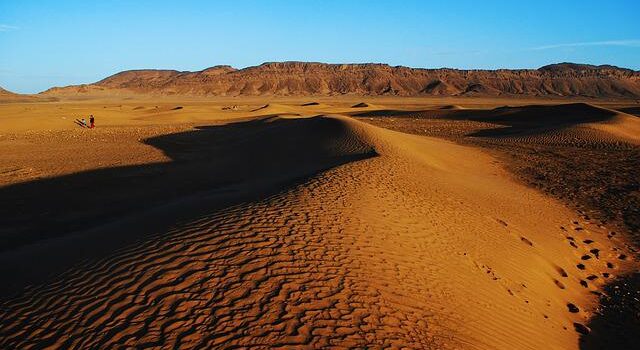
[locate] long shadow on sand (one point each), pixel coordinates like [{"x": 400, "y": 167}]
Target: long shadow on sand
[
  {"x": 617, "y": 323},
  {"x": 64, "y": 220},
  {"x": 537, "y": 119},
  {"x": 523, "y": 120}
]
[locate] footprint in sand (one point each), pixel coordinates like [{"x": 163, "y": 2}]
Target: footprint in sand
[
  {"x": 584, "y": 283},
  {"x": 572, "y": 241},
  {"x": 559, "y": 284},
  {"x": 572, "y": 308},
  {"x": 561, "y": 271}
]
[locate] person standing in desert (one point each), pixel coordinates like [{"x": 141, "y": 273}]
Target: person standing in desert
[{"x": 92, "y": 122}]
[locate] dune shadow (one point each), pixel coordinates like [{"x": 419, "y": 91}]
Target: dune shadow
[
  {"x": 223, "y": 165},
  {"x": 385, "y": 113},
  {"x": 511, "y": 121},
  {"x": 534, "y": 119},
  {"x": 630, "y": 110},
  {"x": 616, "y": 325}
]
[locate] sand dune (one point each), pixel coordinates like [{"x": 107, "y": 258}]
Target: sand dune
[
  {"x": 248, "y": 158},
  {"x": 568, "y": 123},
  {"x": 422, "y": 244},
  {"x": 448, "y": 107},
  {"x": 621, "y": 126},
  {"x": 274, "y": 109},
  {"x": 630, "y": 110}
]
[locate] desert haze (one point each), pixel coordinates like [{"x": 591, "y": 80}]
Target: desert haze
[{"x": 308, "y": 205}]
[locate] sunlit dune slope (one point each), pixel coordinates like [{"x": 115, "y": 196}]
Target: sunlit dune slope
[
  {"x": 426, "y": 245},
  {"x": 563, "y": 124}
]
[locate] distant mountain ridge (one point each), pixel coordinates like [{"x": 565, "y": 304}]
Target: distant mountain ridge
[
  {"x": 4, "y": 92},
  {"x": 311, "y": 78},
  {"x": 7, "y": 96}
]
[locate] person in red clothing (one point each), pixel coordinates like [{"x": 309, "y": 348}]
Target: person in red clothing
[{"x": 92, "y": 122}]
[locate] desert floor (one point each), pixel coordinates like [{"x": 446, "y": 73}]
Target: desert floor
[{"x": 379, "y": 222}]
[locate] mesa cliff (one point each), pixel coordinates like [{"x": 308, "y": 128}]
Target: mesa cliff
[{"x": 320, "y": 79}]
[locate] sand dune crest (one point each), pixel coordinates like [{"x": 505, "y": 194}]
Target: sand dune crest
[{"x": 428, "y": 245}]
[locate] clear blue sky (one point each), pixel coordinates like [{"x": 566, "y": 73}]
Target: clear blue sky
[{"x": 53, "y": 43}]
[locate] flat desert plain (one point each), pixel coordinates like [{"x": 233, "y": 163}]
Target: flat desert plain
[{"x": 329, "y": 222}]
